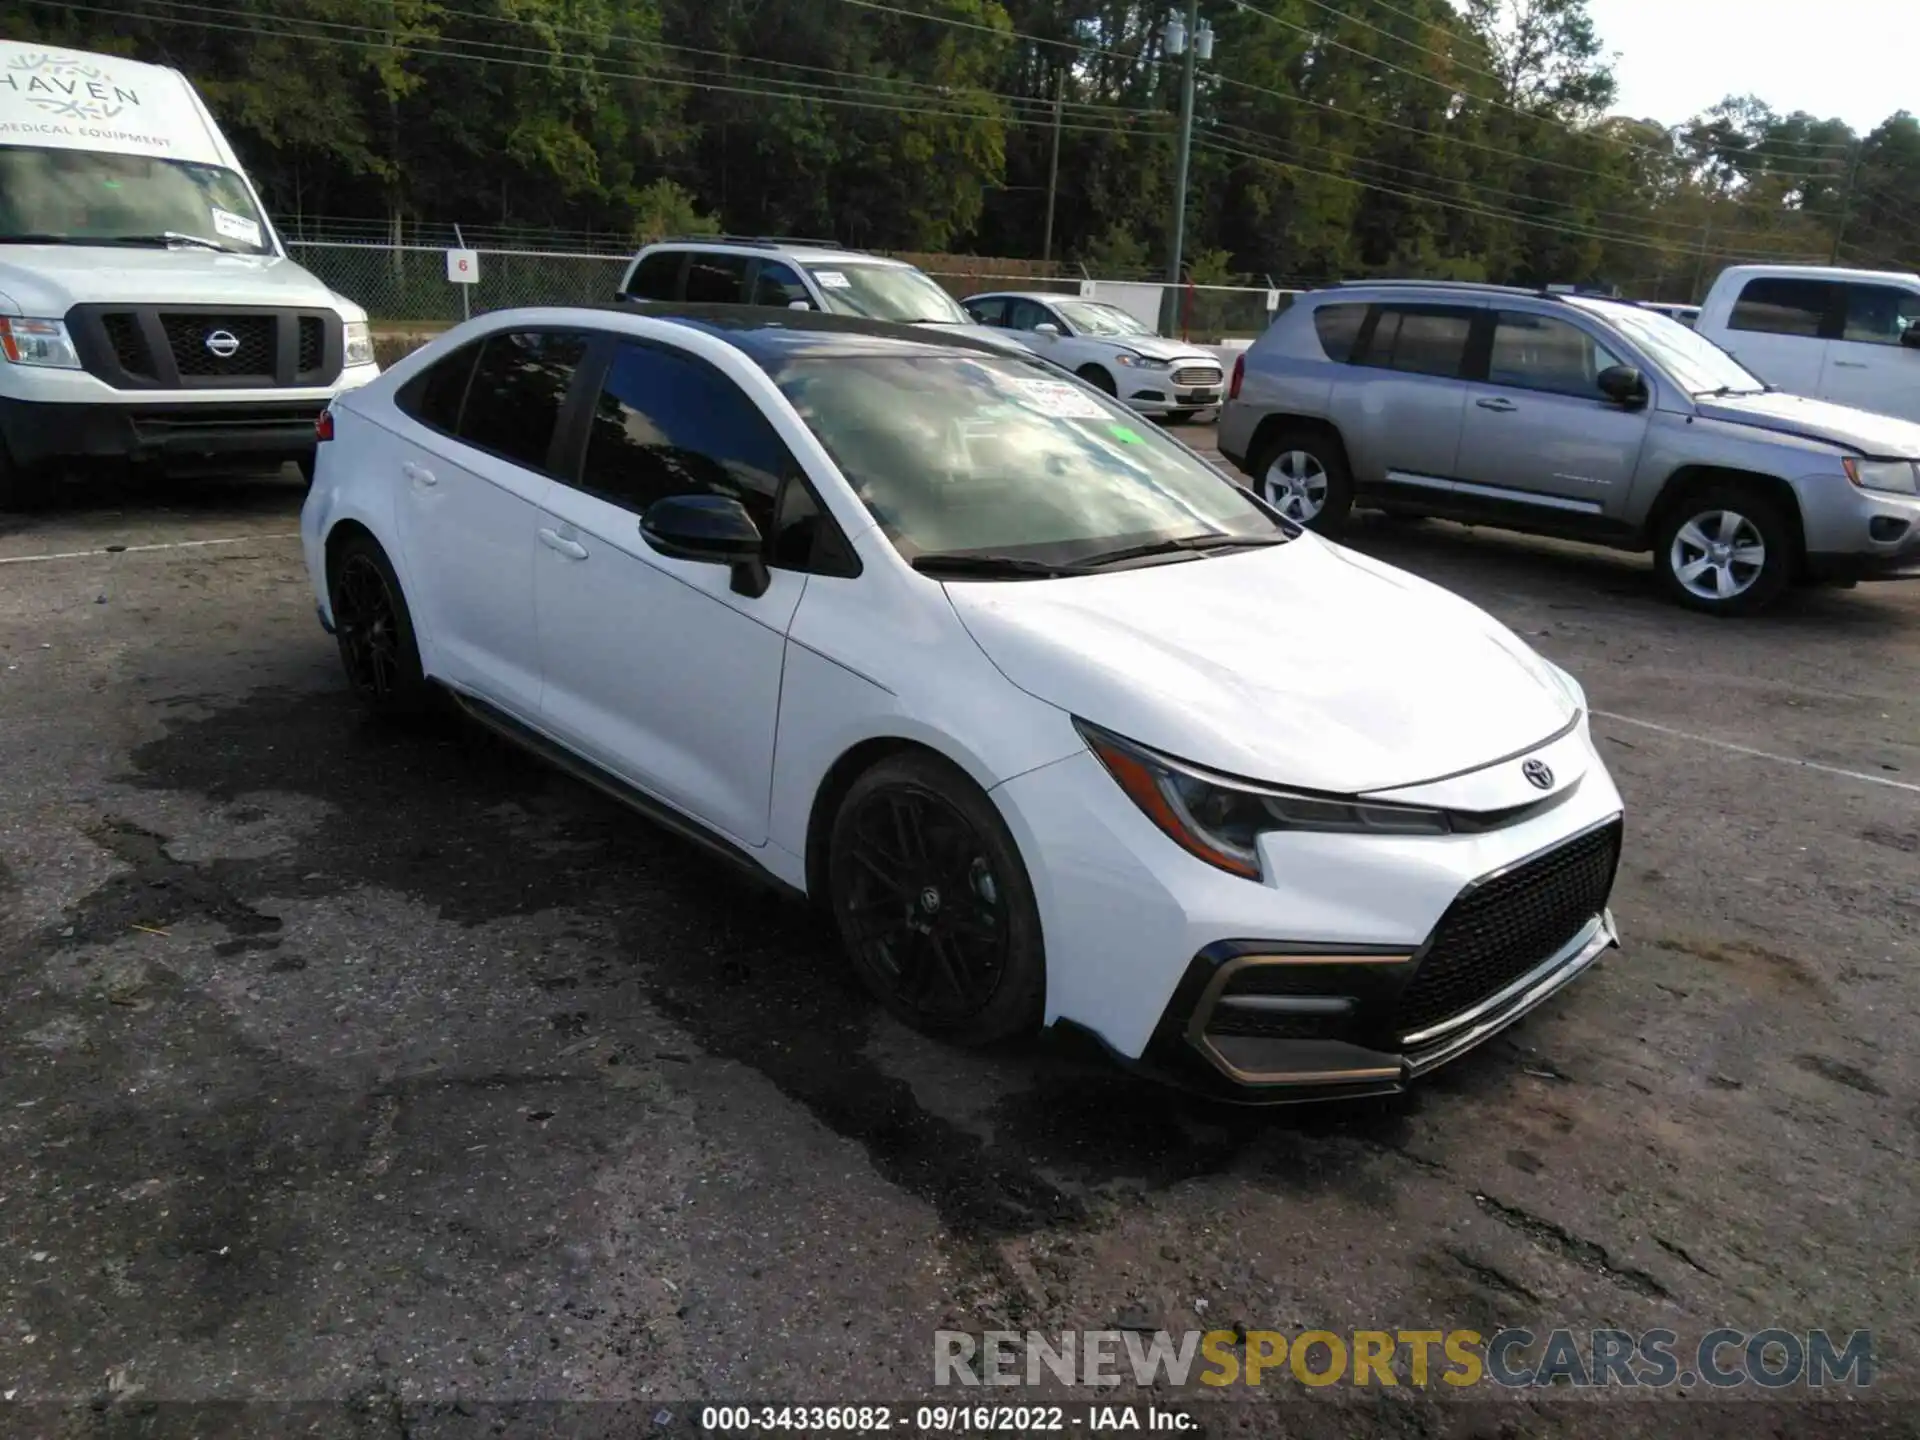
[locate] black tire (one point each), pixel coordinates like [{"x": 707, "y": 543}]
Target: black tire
[
  {"x": 1292, "y": 494},
  {"x": 1702, "y": 539},
  {"x": 933, "y": 902},
  {"x": 1181, "y": 417},
  {"x": 1097, "y": 376},
  {"x": 374, "y": 629}
]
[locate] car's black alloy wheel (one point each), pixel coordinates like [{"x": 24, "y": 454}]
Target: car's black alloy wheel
[
  {"x": 375, "y": 631},
  {"x": 933, "y": 903}
]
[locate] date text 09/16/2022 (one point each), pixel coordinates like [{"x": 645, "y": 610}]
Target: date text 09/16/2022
[{"x": 943, "y": 1419}]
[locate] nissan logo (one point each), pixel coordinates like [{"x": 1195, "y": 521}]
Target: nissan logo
[
  {"x": 222, "y": 344},
  {"x": 1538, "y": 775}
]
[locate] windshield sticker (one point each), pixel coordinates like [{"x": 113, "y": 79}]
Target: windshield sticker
[
  {"x": 1061, "y": 400},
  {"x": 832, "y": 280},
  {"x": 1124, "y": 435},
  {"x": 236, "y": 227}
]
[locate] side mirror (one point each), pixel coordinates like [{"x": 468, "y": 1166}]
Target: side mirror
[
  {"x": 713, "y": 530},
  {"x": 1048, "y": 329},
  {"x": 1623, "y": 384},
  {"x": 799, "y": 304},
  {"x": 1910, "y": 337}
]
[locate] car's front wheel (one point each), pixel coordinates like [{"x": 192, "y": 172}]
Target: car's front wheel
[
  {"x": 375, "y": 630},
  {"x": 1725, "y": 551},
  {"x": 934, "y": 904},
  {"x": 1303, "y": 474},
  {"x": 1098, "y": 377}
]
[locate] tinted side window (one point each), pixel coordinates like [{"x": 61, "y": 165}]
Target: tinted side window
[
  {"x": 518, "y": 388},
  {"x": 991, "y": 311},
  {"x": 716, "y": 279},
  {"x": 1537, "y": 352},
  {"x": 1026, "y": 314},
  {"x": 433, "y": 396},
  {"x": 667, "y": 424},
  {"x": 657, "y": 277},
  {"x": 776, "y": 284},
  {"x": 1421, "y": 342},
  {"x": 1880, "y": 314},
  {"x": 1781, "y": 306},
  {"x": 1338, "y": 326}
]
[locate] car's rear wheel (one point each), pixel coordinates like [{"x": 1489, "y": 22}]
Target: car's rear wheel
[
  {"x": 1725, "y": 551},
  {"x": 374, "y": 629},
  {"x": 934, "y": 904},
  {"x": 1303, "y": 474},
  {"x": 1097, "y": 376}
]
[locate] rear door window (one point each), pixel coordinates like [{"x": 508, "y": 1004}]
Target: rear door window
[
  {"x": 1421, "y": 340},
  {"x": 434, "y": 396},
  {"x": 518, "y": 388},
  {"x": 1782, "y": 305},
  {"x": 657, "y": 277},
  {"x": 990, "y": 311},
  {"x": 1338, "y": 326},
  {"x": 716, "y": 279}
]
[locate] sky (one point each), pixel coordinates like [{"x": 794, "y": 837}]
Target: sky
[{"x": 1850, "y": 58}]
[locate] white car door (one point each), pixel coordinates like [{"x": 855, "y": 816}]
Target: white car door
[
  {"x": 656, "y": 668},
  {"x": 472, "y": 474},
  {"x": 1777, "y": 327},
  {"x": 1867, "y": 365}
]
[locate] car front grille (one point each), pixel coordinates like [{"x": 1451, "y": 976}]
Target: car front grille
[
  {"x": 1503, "y": 927},
  {"x": 1197, "y": 376},
  {"x": 193, "y": 338},
  {"x": 154, "y": 347}
]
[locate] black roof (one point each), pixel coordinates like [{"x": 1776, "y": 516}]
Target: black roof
[{"x": 771, "y": 336}]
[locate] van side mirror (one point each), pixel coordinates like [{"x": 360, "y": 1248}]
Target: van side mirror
[
  {"x": 1623, "y": 384},
  {"x": 713, "y": 530}
]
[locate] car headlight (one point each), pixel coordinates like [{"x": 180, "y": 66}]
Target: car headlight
[
  {"x": 38, "y": 342},
  {"x": 1900, "y": 476},
  {"x": 1220, "y": 821},
  {"x": 359, "y": 338},
  {"x": 1139, "y": 362}
]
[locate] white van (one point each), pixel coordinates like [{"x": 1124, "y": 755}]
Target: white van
[
  {"x": 1850, "y": 336},
  {"x": 148, "y": 311}
]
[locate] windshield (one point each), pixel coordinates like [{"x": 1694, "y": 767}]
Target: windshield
[
  {"x": 1696, "y": 364},
  {"x": 886, "y": 292},
  {"x": 1094, "y": 319},
  {"x": 985, "y": 456},
  {"x": 83, "y": 197}
]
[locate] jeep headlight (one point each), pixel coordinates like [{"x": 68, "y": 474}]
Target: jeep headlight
[
  {"x": 359, "y": 338},
  {"x": 1902, "y": 477},
  {"x": 44, "y": 343}
]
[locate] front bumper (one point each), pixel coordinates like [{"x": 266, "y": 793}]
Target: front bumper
[
  {"x": 41, "y": 434},
  {"x": 1361, "y": 963},
  {"x": 1858, "y": 534},
  {"x": 1155, "y": 392}
]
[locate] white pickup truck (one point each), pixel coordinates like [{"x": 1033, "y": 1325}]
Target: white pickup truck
[
  {"x": 1849, "y": 336},
  {"x": 148, "y": 311}
]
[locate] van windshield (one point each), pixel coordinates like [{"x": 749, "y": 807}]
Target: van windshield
[
  {"x": 84, "y": 197},
  {"x": 898, "y": 293}
]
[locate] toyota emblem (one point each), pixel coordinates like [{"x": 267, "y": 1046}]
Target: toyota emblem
[
  {"x": 222, "y": 344},
  {"x": 1538, "y": 775}
]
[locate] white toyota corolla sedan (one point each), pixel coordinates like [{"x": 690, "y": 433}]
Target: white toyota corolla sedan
[{"x": 1063, "y": 726}]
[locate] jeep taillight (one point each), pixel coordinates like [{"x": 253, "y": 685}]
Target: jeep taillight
[{"x": 1239, "y": 374}]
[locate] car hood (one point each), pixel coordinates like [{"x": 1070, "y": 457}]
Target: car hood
[
  {"x": 1155, "y": 348},
  {"x": 1302, "y": 665},
  {"x": 1861, "y": 430},
  {"x": 48, "y": 280}
]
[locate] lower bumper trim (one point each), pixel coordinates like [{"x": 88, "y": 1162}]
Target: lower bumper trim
[
  {"x": 40, "y": 434},
  {"x": 1903, "y": 565}
]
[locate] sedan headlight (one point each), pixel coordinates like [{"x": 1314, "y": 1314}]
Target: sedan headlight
[
  {"x": 1220, "y": 821},
  {"x": 38, "y": 342},
  {"x": 1139, "y": 362},
  {"x": 359, "y": 338},
  {"x": 1902, "y": 477}
]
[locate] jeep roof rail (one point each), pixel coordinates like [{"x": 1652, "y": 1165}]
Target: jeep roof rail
[
  {"x": 754, "y": 240},
  {"x": 1478, "y": 287}
]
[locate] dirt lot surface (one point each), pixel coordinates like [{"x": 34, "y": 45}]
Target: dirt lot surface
[{"x": 396, "y": 1072}]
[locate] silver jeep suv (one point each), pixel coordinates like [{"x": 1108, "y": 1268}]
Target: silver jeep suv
[{"x": 1568, "y": 415}]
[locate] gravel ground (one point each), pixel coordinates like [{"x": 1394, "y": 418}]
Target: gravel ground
[{"x": 400, "y": 1075}]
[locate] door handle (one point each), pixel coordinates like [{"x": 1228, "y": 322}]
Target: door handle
[
  {"x": 1850, "y": 365},
  {"x": 1496, "y": 403},
  {"x": 418, "y": 474},
  {"x": 554, "y": 540}
]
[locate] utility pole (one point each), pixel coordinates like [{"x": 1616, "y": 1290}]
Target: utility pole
[
  {"x": 1846, "y": 201},
  {"x": 1183, "y": 38},
  {"x": 1053, "y": 164}
]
